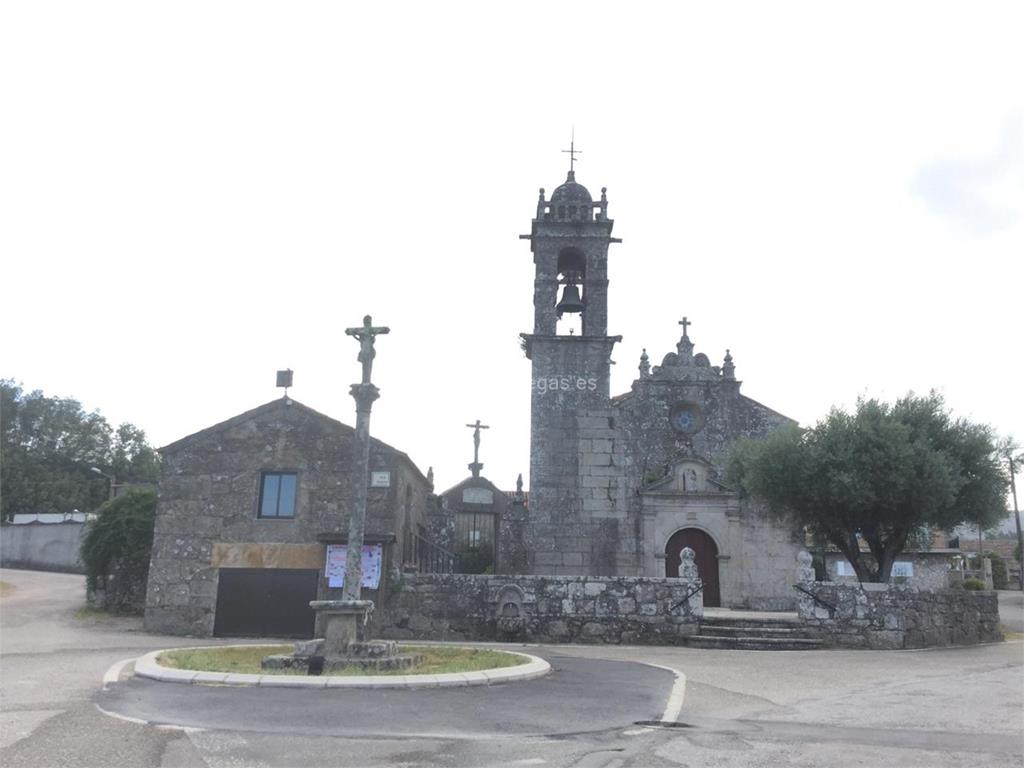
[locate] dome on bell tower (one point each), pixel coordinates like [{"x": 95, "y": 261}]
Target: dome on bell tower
[
  {"x": 571, "y": 193},
  {"x": 571, "y": 202}
]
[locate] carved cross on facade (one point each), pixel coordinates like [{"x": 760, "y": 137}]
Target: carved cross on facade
[
  {"x": 685, "y": 323},
  {"x": 476, "y": 439},
  {"x": 366, "y": 335}
]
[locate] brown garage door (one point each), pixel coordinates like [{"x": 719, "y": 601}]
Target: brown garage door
[{"x": 265, "y": 602}]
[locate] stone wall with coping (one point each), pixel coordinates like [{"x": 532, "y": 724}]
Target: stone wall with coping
[
  {"x": 892, "y": 616},
  {"x": 582, "y": 609}
]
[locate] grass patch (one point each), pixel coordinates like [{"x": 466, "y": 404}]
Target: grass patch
[
  {"x": 439, "y": 660},
  {"x": 6, "y": 588},
  {"x": 1009, "y": 634},
  {"x": 87, "y": 612},
  {"x": 96, "y": 613},
  {"x": 246, "y": 660}
]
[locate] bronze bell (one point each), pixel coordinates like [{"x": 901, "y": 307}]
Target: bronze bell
[{"x": 571, "y": 301}]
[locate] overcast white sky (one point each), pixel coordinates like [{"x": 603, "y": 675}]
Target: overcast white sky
[{"x": 195, "y": 194}]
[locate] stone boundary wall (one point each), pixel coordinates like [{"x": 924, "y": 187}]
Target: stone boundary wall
[
  {"x": 557, "y": 609},
  {"x": 891, "y": 616}
]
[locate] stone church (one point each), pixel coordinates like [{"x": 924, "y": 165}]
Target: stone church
[
  {"x": 619, "y": 485},
  {"x": 250, "y": 509}
]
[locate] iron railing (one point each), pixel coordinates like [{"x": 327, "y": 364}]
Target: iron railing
[
  {"x": 429, "y": 557},
  {"x": 815, "y": 598},
  {"x": 685, "y": 602}
]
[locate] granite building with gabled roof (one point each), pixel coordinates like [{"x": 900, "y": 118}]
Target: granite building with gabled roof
[{"x": 247, "y": 509}]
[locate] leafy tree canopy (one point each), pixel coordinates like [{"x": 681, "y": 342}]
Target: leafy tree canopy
[
  {"x": 881, "y": 473},
  {"x": 48, "y": 446}
]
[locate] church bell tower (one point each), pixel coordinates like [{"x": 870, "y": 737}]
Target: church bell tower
[{"x": 569, "y": 238}]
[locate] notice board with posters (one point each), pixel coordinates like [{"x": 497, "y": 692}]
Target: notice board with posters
[{"x": 337, "y": 555}]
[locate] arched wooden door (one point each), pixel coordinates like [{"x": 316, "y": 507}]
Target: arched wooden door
[{"x": 706, "y": 558}]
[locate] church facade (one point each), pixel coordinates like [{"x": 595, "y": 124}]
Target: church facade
[{"x": 619, "y": 485}]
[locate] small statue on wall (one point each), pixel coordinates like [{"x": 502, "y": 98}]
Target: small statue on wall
[
  {"x": 804, "y": 568},
  {"x": 687, "y": 564}
]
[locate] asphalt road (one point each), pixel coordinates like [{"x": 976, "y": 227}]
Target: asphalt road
[
  {"x": 926, "y": 709},
  {"x": 1011, "y": 610},
  {"x": 579, "y": 696}
]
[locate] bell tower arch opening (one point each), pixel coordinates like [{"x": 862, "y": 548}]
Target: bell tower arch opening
[{"x": 571, "y": 274}]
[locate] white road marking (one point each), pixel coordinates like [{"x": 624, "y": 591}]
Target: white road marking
[
  {"x": 111, "y": 676},
  {"x": 188, "y": 729},
  {"x": 674, "y": 705},
  {"x": 127, "y": 719}
]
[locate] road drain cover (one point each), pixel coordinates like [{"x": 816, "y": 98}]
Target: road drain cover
[{"x": 662, "y": 724}]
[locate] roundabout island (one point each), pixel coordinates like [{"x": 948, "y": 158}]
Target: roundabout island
[{"x": 440, "y": 666}]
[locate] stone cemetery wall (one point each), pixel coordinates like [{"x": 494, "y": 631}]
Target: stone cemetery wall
[
  {"x": 588, "y": 609},
  {"x": 887, "y": 616}
]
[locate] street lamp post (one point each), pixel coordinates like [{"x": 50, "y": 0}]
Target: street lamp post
[
  {"x": 1016, "y": 519},
  {"x": 111, "y": 480}
]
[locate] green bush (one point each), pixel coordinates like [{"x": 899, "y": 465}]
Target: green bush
[
  {"x": 115, "y": 551},
  {"x": 974, "y": 584}
]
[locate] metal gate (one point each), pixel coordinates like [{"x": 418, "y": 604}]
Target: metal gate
[
  {"x": 265, "y": 602},
  {"x": 474, "y": 542}
]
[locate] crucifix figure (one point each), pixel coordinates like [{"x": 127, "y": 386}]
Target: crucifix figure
[
  {"x": 366, "y": 334},
  {"x": 476, "y": 466},
  {"x": 364, "y": 394},
  {"x": 685, "y": 323}
]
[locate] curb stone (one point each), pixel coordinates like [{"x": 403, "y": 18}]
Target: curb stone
[{"x": 147, "y": 667}]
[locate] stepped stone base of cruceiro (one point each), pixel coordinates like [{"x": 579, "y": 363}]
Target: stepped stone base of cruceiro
[{"x": 368, "y": 656}]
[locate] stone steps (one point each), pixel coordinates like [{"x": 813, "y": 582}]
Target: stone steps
[
  {"x": 724, "y": 632},
  {"x": 728, "y": 621},
  {"x": 753, "y": 643},
  {"x": 766, "y": 631}
]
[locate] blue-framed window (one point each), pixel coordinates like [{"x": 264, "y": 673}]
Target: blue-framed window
[{"x": 277, "y": 494}]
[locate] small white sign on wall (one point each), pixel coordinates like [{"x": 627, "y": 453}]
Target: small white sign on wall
[
  {"x": 380, "y": 479},
  {"x": 902, "y": 569}
]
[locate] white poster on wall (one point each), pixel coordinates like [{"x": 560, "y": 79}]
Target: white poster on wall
[{"x": 373, "y": 557}]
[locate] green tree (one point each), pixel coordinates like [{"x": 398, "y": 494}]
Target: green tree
[
  {"x": 132, "y": 458},
  {"x": 48, "y": 446},
  {"x": 116, "y": 547},
  {"x": 876, "y": 475}
]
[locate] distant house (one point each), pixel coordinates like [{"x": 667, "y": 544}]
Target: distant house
[{"x": 248, "y": 510}]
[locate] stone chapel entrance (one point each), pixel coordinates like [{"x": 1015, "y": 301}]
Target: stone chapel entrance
[{"x": 706, "y": 558}]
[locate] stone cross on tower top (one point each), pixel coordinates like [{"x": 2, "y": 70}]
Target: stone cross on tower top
[
  {"x": 685, "y": 323},
  {"x": 366, "y": 334},
  {"x": 476, "y": 466}
]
